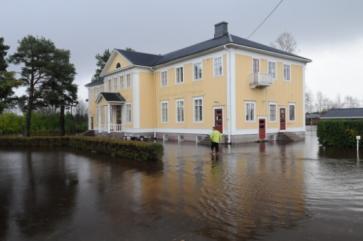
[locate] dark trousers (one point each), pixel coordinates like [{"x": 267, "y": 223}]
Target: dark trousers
[{"x": 214, "y": 146}]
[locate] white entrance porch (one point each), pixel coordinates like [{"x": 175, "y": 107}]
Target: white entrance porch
[{"x": 109, "y": 112}]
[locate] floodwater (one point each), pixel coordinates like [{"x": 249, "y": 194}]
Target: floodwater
[{"x": 249, "y": 192}]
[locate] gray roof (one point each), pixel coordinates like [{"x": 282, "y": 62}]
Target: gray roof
[
  {"x": 220, "y": 41},
  {"x": 111, "y": 96},
  {"x": 95, "y": 82},
  {"x": 343, "y": 113},
  {"x": 151, "y": 60},
  {"x": 312, "y": 115},
  {"x": 139, "y": 58}
]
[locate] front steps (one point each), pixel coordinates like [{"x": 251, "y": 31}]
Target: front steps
[{"x": 289, "y": 136}]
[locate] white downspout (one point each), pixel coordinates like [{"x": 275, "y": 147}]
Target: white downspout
[{"x": 229, "y": 96}]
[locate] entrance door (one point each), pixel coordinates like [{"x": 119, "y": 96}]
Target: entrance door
[
  {"x": 218, "y": 119},
  {"x": 282, "y": 119},
  {"x": 262, "y": 129}
]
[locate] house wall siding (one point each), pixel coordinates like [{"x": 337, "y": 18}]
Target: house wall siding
[{"x": 149, "y": 94}]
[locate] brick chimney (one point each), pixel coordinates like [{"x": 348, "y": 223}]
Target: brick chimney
[{"x": 220, "y": 29}]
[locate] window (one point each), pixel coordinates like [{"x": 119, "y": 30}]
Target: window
[
  {"x": 118, "y": 65},
  {"x": 128, "y": 113},
  {"x": 250, "y": 111},
  {"x": 198, "y": 109},
  {"x": 179, "y": 111},
  {"x": 272, "y": 112},
  {"x": 115, "y": 84},
  {"x": 256, "y": 66},
  {"x": 122, "y": 85},
  {"x": 218, "y": 66},
  {"x": 109, "y": 84},
  {"x": 272, "y": 69},
  {"x": 164, "y": 111},
  {"x": 164, "y": 78},
  {"x": 179, "y": 75},
  {"x": 286, "y": 72},
  {"x": 291, "y": 112},
  {"x": 197, "y": 71},
  {"x": 128, "y": 80}
]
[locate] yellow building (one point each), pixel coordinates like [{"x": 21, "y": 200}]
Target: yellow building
[{"x": 248, "y": 90}]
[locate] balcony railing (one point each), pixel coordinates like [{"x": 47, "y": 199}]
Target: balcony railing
[
  {"x": 116, "y": 127},
  {"x": 258, "y": 80},
  {"x": 103, "y": 127}
]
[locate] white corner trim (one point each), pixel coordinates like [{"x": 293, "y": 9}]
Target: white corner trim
[
  {"x": 233, "y": 91},
  {"x": 303, "y": 97},
  {"x": 135, "y": 78}
]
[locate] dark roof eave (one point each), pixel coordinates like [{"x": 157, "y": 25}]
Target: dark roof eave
[
  {"x": 92, "y": 84},
  {"x": 190, "y": 56},
  {"x": 281, "y": 55}
]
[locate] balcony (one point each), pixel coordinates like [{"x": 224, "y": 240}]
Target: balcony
[{"x": 258, "y": 80}]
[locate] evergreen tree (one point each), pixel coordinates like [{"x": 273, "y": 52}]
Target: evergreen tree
[
  {"x": 101, "y": 62},
  {"x": 35, "y": 56},
  {"x": 60, "y": 91},
  {"x": 7, "y": 80}
]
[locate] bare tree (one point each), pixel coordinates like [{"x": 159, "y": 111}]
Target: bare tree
[
  {"x": 309, "y": 101},
  {"x": 319, "y": 101},
  {"x": 338, "y": 102},
  {"x": 351, "y": 102},
  {"x": 81, "y": 108},
  {"x": 285, "y": 42}
]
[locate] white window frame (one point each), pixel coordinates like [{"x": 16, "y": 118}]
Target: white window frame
[
  {"x": 115, "y": 85},
  {"x": 161, "y": 111},
  {"x": 292, "y": 104},
  {"x": 194, "y": 110},
  {"x": 109, "y": 86},
  {"x": 215, "y": 74},
  {"x": 258, "y": 66},
  {"x": 269, "y": 111},
  {"x": 177, "y": 110},
  {"x": 122, "y": 82},
  {"x": 201, "y": 70},
  {"x": 254, "y": 111},
  {"x": 164, "y": 78},
  {"x": 285, "y": 77},
  {"x": 128, "y": 80},
  {"x": 128, "y": 111},
  {"x": 176, "y": 75},
  {"x": 268, "y": 69}
]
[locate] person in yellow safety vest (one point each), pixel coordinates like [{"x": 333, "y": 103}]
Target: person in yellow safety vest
[{"x": 215, "y": 138}]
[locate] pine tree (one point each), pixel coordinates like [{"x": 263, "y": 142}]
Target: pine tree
[
  {"x": 101, "y": 62},
  {"x": 60, "y": 91},
  {"x": 35, "y": 56},
  {"x": 7, "y": 80}
]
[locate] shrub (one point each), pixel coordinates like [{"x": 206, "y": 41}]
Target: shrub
[
  {"x": 339, "y": 133},
  {"x": 11, "y": 124},
  {"x": 42, "y": 124},
  {"x": 131, "y": 150}
]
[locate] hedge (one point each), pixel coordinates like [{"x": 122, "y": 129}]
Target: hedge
[
  {"x": 132, "y": 150},
  {"x": 339, "y": 133},
  {"x": 42, "y": 124}
]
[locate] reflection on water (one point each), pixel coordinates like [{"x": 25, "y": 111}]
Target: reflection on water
[{"x": 266, "y": 191}]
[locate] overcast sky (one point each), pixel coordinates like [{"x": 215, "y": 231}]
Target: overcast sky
[{"x": 330, "y": 32}]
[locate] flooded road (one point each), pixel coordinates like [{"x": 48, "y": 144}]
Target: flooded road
[{"x": 249, "y": 192}]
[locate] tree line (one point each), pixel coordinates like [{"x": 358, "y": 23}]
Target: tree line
[
  {"x": 321, "y": 103},
  {"x": 46, "y": 73}
]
